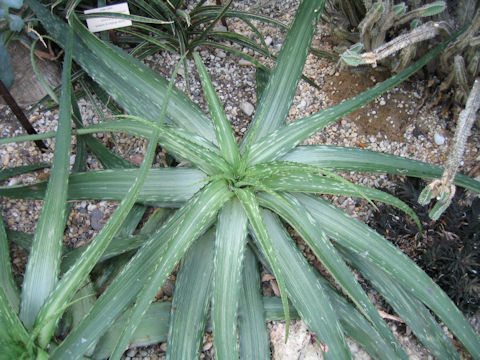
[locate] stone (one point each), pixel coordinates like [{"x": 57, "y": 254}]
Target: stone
[
  {"x": 247, "y": 108},
  {"x": 439, "y": 139}
]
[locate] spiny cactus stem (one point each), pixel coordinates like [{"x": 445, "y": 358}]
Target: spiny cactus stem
[
  {"x": 421, "y": 33},
  {"x": 465, "y": 123}
]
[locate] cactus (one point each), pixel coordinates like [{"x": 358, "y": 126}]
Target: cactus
[
  {"x": 443, "y": 189},
  {"x": 383, "y": 18}
]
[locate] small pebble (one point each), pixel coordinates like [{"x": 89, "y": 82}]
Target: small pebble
[
  {"x": 247, "y": 108},
  {"x": 243, "y": 62},
  {"x": 439, "y": 139},
  {"x": 268, "y": 40},
  {"x": 131, "y": 352}
]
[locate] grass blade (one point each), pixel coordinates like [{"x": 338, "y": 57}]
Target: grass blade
[
  {"x": 254, "y": 342},
  {"x": 191, "y": 300},
  {"x": 43, "y": 266},
  {"x": 230, "y": 244}
]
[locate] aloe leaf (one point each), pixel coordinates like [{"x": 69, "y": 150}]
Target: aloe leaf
[
  {"x": 41, "y": 273},
  {"x": 410, "y": 309},
  {"x": 191, "y": 300},
  {"x": 338, "y": 158},
  {"x": 286, "y": 138},
  {"x": 312, "y": 183},
  {"x": 221, "y": 125},
  {"x": 230, "y": 244},
  {"x": 153, "y": 329},
  {"x": 360, "y": 239},
  {"x": 194, "y": 222},
  {"x": 309, "y": 298},
  {"x": 10, "y": 172},
  {"x": 274, "y": 106},
  {"x": 159, "y": 249},
  {"x": 7, "y": 282},
  {"x": 175, "y": 141},
  {"x": 168, "y": 185},
  {"x": 71, "y": 280},
  {"x": 254, "y": 342},
  {"x": 11, "y": 328},
  {"x": 252, "y": 208},
  {"x": 125, "y": 77},
  {"x": 352, "y": 321},
  {"x": 261, "y": 77},
  {"x": 299, "y": 218}
]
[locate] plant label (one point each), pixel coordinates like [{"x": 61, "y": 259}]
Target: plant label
[{"x": 107, "y": 23}]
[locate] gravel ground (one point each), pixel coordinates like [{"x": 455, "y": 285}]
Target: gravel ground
[{"x": 403, "y": 122}]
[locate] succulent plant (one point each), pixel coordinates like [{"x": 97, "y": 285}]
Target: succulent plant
[{"x": 229, "y": 210}]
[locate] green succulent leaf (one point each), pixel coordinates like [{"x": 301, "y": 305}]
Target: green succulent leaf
[
  {"x": 43, "y": 265},
  {"x": 279, "y": 142},
  {"x": 410, "y": 309},
  {"x": 252, "y": 312},
  {"x": 295, "y": 214},
  {"x": 337, "y": 158},
  {"x": 309, "y": 298},
  {"x": 360, "y": 239},
  {"x": 162, "y": 248},
  {"x": 7, "y": 282},
  {"x": 273, "y": 108},
  {"x": 230, "y": 245},
  {"x": 251, "y": 206},
  {"x": 223, "y": 130},
  {"x": 191, "y": 300}
]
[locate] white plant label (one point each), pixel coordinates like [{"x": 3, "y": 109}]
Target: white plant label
[{"x": 107, "y": 23}]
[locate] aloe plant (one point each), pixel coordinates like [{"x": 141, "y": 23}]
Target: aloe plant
[{"x": 231, "y": 207}]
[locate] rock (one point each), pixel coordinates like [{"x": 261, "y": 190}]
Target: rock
[
  {"x": 96, "y": 219},
  {"x": 439, "y": 139},
  {"x": 247, "y": 108},
  {"x": 131, "y": 352},
  {"x": 243, "y": 62},
  {"x": 168, "y": 287},
  {"x": 268, "y": 40},
  {"x": 220, "y": 28}
]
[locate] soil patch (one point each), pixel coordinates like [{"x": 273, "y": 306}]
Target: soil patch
[{"x": 388, "y": 115}]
